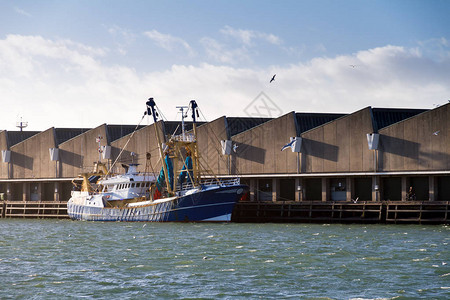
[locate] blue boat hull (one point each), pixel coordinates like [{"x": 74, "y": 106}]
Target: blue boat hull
[{"x": 215, "y": 204}]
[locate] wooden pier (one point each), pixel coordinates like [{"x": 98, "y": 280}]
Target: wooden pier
[
  {"x": 34, "y": 209},
  {"x": 364, "y": 212},
  {"x": 418, "y": 212},
  {"x": 343, "y": 212}
]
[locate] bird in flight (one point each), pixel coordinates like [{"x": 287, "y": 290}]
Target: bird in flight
[
  {"x": 436, "y": 132},
  {"x": 273, "y": 78}
]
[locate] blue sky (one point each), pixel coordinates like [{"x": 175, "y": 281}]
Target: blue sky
[{"x": 85, "y": 63}]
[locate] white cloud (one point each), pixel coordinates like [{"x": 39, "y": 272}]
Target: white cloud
[
  {"x": 27, "y": 56},
  {"x": 246, "y": 48},
  {"x": 122, "y": 37},
  {"x": 220, "y": 53},
  {"x": 247, "y": 37},
  {"x": 168, "y": 42},
  {"x": 382, "y": 77},
  {"x": 438, "y": 48},
  {"x": 119, "y": 31},
  {"x": 65, "y": 84},
  {"x": 21, "y": 12}
]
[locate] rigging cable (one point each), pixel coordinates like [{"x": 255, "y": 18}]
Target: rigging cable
[{"x": 121, "y": 151}]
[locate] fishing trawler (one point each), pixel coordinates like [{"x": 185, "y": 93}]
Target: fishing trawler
[{"x": 164, "y": 198}]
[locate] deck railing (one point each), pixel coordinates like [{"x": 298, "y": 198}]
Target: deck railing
[{"x": 213, "y": 181}]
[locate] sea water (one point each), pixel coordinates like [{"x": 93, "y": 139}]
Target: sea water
[{"x": 62, "y": 259}]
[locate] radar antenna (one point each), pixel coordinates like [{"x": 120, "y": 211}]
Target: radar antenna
[{"x": 21, "y": 124}]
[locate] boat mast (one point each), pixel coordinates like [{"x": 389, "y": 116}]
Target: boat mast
[
  {"x": 182, "y": 120},
  {"x": 196, "y": 164},
  {"x": 151, "y": 111}
]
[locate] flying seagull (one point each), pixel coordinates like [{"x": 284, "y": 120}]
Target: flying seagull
[
  {"x": 273, "y": 78},
  {"x": 288, "y": 145},
  {"x": 436, "y": 132}
]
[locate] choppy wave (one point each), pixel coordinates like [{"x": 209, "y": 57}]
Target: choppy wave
[{"x": 46, "y": 259}]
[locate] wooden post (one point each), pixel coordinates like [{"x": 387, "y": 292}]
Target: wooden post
[
  {"x": 8, "y": 191},
  {"x": 404, "y": 188},
  {"x": 252, "y": 189},
  {"x": 325, "y": 191},
  {"x": 25, "y": 191},
  {"x": 432, "y": 188},
  {"x": 257, "y": 192},
  {"x": 275, "y": 189},
  {"x": 57, "y": 191},
  {"x": 39, "y": 191},
  {"x": 298, "y": 189},
  {"x": 349, "y": 188},
  {"x": 375, "y": 189}
]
